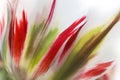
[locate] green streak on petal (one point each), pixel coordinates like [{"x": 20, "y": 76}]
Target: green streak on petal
[
  {"x": 31, "y": 38},
  {"x": 5, "y": 52},
  {"x": 79, "y": 57},
  {"x": 72, "y": 58},
  {"x": 4, "y": 49},
  {"x": 85, "y": 38},
  {"x": 43, "y": 47}
]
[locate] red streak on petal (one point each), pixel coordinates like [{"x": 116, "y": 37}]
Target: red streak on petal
[
  {"x": 104, "y": 65},
  {"x": 93, "y": 73},
  {"x": 11, "y": 34},
  {"x": 96, "y": 71},
  {"x": 19, "y": 38},
  {"x": 1, "y": 26},
  {"x": 45, "y": 63},
  {"x": 50, "y": 14}
]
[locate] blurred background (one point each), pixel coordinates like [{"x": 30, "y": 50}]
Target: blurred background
[{"x": 98, "y": 12}]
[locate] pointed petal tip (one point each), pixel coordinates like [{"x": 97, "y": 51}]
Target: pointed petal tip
[{"x": 96, "y": 71}]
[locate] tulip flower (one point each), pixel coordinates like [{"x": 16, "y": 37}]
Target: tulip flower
[{"x": 36, "y": 50}]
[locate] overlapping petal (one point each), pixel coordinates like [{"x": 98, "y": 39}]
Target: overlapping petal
[
  {"x": 95, "y": 71},
  {"x": 45, "y": 64},
  {"x": 34, "y": 49}
]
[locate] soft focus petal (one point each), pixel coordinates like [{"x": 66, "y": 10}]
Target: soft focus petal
[
  {"x": 45, "y": 64},
  {"x": 77, "y": 60},
  {"x": 19, "y": 38},
  {"x": 95, "y": 71}
]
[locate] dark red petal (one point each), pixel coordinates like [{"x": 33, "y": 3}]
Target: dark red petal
[
  {"x": 19, "y": 38},
  {"x": 96, "y": 71},
  {"x": 11, "y": 34},
  {"x": 50, "y": 14},
  {"x": 45, "y": 63}
]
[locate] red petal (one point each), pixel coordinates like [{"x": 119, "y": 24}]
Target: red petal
[
  {"x": 69, "y": 44},
  {"x": 45, "y": 63},
  {"x": 96, "y": 71},
  {"x": 50, "y": 14},
  {"x": 19, "y": 38}
]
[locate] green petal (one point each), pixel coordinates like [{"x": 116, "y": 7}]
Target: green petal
[
  {"x": 31, "y": 38},
  {"x": 87, "y": 37},
  {"x": 43, "y": 47},
  {"x": 78, "y": 58}
]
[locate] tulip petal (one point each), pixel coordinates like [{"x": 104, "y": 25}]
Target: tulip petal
[{"x": 19, "y": 38}]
